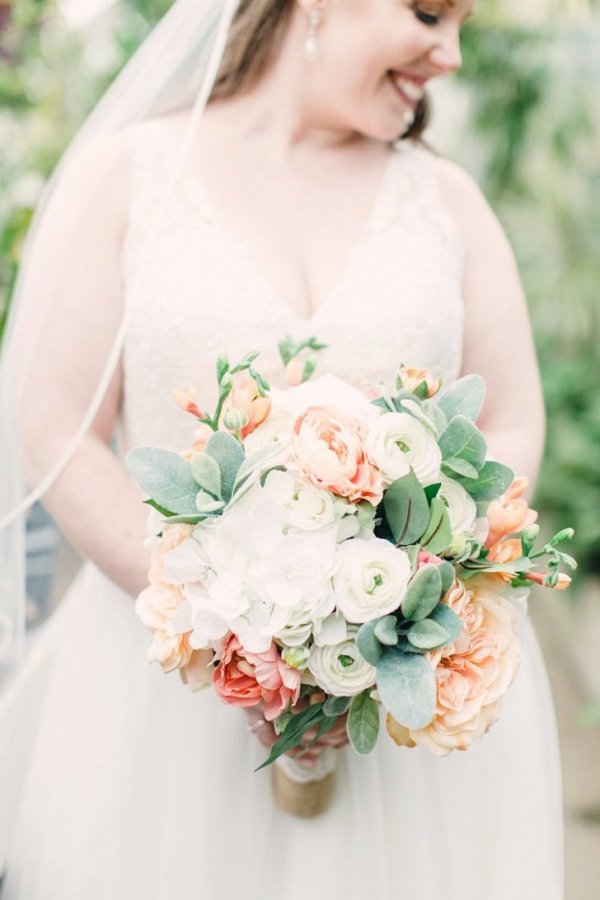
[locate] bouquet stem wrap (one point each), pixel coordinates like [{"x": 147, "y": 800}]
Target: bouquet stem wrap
[{"x": 302, "y": 791}]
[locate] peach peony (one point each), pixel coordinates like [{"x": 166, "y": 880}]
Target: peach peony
[
  {"x": 157, "y": 604},
  {"x": 244, "y": 679},
  {"x": 411, "y": 378},
  {"x": 329, "y": 447},
  {"x": 246, "y": 397},
  {"x": 509, "y": 513},
  {"x": 472, "y": 675}
]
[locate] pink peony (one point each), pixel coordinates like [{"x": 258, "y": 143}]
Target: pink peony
[
  {"x": 472, "y": 675},
  {"x": 244, "y": 679},
  {"x": 329, "y": 446}
]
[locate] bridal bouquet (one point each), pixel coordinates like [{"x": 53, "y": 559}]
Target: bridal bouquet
[{"x": 322, "y": 551}]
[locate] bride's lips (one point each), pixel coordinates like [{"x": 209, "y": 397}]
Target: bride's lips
[{"x": 416, "y": 89}]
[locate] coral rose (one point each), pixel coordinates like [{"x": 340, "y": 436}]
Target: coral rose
[
  {"x": 244, "y": 679},
  {"x": 329, "y": 447},
  {"x": 472, "y": 675}
]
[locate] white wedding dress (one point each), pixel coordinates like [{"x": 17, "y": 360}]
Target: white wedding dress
[{"x": 140, "y": 790}]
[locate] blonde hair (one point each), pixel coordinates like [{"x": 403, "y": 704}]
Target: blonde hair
[{"x": 254, "y": 38}]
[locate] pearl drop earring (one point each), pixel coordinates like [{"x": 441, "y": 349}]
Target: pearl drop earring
[{"x": 310, "y": 45}]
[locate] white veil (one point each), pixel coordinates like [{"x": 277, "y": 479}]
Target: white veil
[{"x": 176, "y": 66}]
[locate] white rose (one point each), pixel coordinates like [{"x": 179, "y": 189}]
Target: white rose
[
  {"x": 462, "y": 509},
  {"x": 340, "y": 669},
  {"x": 309, "y": 507},
  {"x": 397, "y": 441},
  {"x": 371, "y": 580}
]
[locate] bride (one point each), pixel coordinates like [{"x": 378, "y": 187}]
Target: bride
[{"x": 305, "y": 203}]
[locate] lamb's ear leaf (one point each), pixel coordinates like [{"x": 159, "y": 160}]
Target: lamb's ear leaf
[
  {"x": 463, "y": 397},
  {"x": 166, "y": 477},
  {"x": 226, "y": 450}
]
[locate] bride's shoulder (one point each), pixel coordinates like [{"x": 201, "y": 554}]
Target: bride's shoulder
[{"x": 465, "y": 201}]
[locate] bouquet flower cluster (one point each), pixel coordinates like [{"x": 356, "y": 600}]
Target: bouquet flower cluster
[{"x": 323, "y": 551}]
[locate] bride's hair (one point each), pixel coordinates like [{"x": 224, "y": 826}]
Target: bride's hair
[{"x": 255, "y": 34}]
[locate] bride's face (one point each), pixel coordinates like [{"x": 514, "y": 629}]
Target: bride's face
[{"x": 375, "y": 57}]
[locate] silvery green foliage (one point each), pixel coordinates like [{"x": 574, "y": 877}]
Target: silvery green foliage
[
  {"x": 166, "y": 477},
  {"x": 363, "y": 723},
  {"x": 406, "y": 685}
]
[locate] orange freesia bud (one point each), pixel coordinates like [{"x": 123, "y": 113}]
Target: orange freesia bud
[
  {"x": 294, "y": 372},
  {"x": 563, "y": 580},
  {"x": 185, "y": 400},
  {"x": 410, "y": 379},
  {"x": 245, "y": 396},
  {"x": 509, "y": 513}
]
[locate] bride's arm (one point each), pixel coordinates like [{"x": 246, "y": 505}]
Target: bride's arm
[
  {"x": 94, "y": 501},
  {"x": 498, "y": 341}
]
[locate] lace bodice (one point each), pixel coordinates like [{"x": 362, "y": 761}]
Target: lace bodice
[{"x": 398, "y": 300}]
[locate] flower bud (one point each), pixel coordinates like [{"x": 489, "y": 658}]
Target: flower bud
[
  {"x": 459, "y": 545},
  {"x": 296, "y": 657},
  {"x": 565, "y": 535},
  {"x": 235, "y": 419},
  {"x": 222, "y": 366},
  {"x": 226, "y": 384}
]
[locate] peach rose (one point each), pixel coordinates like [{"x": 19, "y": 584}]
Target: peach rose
[
  {"x": 244, "y": 679},
  {"x": 329, "y": 447},
  {"x": 509, "y": 513},
  {"x": 157, "y": 604},
  {"x": 472, "y": 675},
  {"x": 411, "y": 378},
  {"x": 246, "y": 397}
]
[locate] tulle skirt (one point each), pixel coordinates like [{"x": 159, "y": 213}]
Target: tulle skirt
[{"x": 141, "y": 790}]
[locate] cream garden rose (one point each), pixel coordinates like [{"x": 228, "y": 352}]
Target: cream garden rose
[
  {"x": 397, "y": 442},
  {"x": 340, "y": 669},
  {"x": 371, "y": 580},
  {"x": 462, "y": 509}
]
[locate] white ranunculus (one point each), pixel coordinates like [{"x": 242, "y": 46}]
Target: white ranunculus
[
  {"x": 278, "y": 426},
  {"x": 309, "y": 507},
  {"x": 397, "y": 441},
  {"x": 371, "y": 580},
  {"x": 340, "y": 669},
  {"x": 462, "y": 509},
  {"x": 328, "y": 390}
]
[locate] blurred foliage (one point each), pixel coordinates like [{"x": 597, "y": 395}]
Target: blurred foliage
[{"x": 530, "y": 94}]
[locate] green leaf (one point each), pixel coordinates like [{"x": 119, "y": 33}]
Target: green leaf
[
  {"x": 363, "y": 723},
  {"x": 336, "y": 706},
  {"x": 385, "y": 630},
  {"x": 438, "y": 534},
  {"x": 256, "y": 461},
  {"x": 406, "y": 685},
  {"x": 447, "y": 574},
  {"x": 463, "y": 398},
  {"x": 406, "y": 647},
  {"x": 368, "y": 644},
  {"x": 206, "y": 503},
  {"x": 435, "y": 414},
  {"x": 406, "y": 509},
  {"x": 158, "y": 508},
  {"x": 206, "y": 473},
  {"x": 494, "y": 479},
  {"x": 452, "y": 467},
  {"x": 404, "y": 394},
  {"x": 228, "y": 453},
  {"x": 463, "y": 440},
  {"x": 432, "y": 490},
  {"x": 165, "y": 476},
  {"x": 428, "y": 635},
  {"x": 423, "y": 593},
  {"x": 294, "y": 732},
  {"x": 448, "y": 620}
]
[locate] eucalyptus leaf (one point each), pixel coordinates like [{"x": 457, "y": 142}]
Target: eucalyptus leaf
[
  {"x": 435, "y": 414},
  {"x": 463, "y": 440},
  {"x": 385, "y": 630},
  {"x": 165, "y": 476},
  {"x": 406, "y": 509},
  {"x": 494, "y": 479},
  {"x": 228, "y": 453},
  {"x": 369, "y": 646},
  {"x": 452, "y": 467},
  {"x": 447, "y": 574},
  {"x": 336, "y": 706},
  {"x": 463, "y": 398},
  {"x": 206, "y": 473},
  {"x": 406, "y": 685},
  {"x": 405, "y": 645},
  {"x": 432, "y": 490},
  {"x": 423, "y": 593},
  {"x": 438, "y": 534},
  {"x": 428, "y": 635},
  {"x": 363, "y": 723},
  {"x": 448, "y": 620},
  {"x": 404, "y": 394}
]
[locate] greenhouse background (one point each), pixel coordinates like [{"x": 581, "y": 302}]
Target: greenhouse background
[{"x": 523, "y": 116}]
